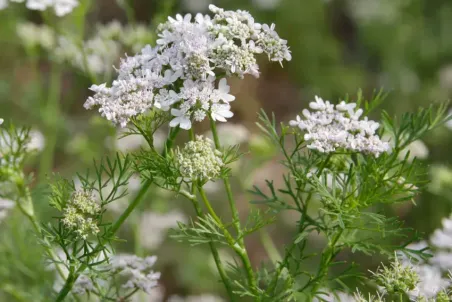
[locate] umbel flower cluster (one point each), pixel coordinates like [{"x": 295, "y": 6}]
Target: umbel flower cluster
[
  {"x": 137, "y": 271},
  {"x": 329, "y": 127},
  {"x": 180, "y": 73},
  {"x": 80, "y": 214},
  {"x": 61, "y": 7},
  {"x": 197, "y": 160}
]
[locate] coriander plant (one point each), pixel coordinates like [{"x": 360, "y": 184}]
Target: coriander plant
[{"x": 340, "y": 170}]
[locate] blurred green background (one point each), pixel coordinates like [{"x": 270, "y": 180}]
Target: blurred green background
[{"x": 338, "y": 47}]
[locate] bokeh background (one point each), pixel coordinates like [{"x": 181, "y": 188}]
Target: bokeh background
[{"x": 338, "y": 46}]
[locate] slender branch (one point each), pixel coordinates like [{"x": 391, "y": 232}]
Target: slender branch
[
  {"x": 52, "y": 114},
  {"x": 227, "y": 184},
  {"x": 112, "y": 231},
  {"x": 234, "y": 244}
]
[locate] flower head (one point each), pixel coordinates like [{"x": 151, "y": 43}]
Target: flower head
[
  {"x": 80, "y": 214},
  {"x": 179, "y": 74},
  {"x": 61, "y": 7},
  {"x": 137, "y": 271},
  {"x": 197, "y": 160},
  {"x": 397, "y": 278},
  {"x": 328, "y": 127}
]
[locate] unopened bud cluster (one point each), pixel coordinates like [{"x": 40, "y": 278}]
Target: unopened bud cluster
[
  {"x": 197, "y": 160},
  {"x": 80, "y": 214},
  {"x": 397, "y": 278}
]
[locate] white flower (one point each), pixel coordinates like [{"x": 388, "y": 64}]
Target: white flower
[
  {"x": 189, "y": 51},
  {"x": 417, "y": 149},
  {"x": 5, "y": 206},
  {"x": 181, "y": 119},
  {"x": 37, "y": 140},
  {"x": 449, "y": 122},
  {"x": 137, "y": 271},
  {"x": 442, "y": 238},
  {"x": 159, "y": 223},
  {"x": 330, "y": 127},
  {"x": 126, "y": 142},
  {"x": 64, "y": 7},
  {"x": 267, "y": 4},
  {"x": 61, "y": 7},
  {"x": 219, "y": 112},
  {"x": 430, "y": 283},
  {"x": 231, "y": 134}
]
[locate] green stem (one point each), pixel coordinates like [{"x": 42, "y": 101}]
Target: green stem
[
  {"x": 327, "y": 256},
  {"x": 112, "y": 231},
  {"x": 227, "y": 185},
  {"x": 51, "y": 116},
  {"x": 70, "y": 281},
  {"x": 270, "y": 247},
  {"x": 30, "y": 214},
  {"x": 240, "y": 251},
  {"x": 213, "y": 249}
]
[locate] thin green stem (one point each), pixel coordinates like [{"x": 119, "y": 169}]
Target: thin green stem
[
  {"x": 51, "y": 119},
  {"x": 213, "y": 249},
  {"x": 115, "y": 227},
  {"x": 27, "y": 210},
  {"x": 328, "y": 255},
  {"x": 270, "y": 247},
  {"x": 227, "y": 185},
  {"x": 234, "y": 244}
]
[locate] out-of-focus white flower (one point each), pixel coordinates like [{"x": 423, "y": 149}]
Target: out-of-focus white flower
[
  {"x": 37, "y": 141},
  {"x": 430, "y": 283},
  {"x": 449, "y": 122},
  {"x": 83, "y": 285},
  {"x": 33, "y": 35},
  {"x": 385, "y": 11},
  {"x": 189, "y": 50},
  {"x": 417, "y": 149},
  {"x": 5, "y": 206},
  {"x": 154, "y": 226},
  {"x": 442, "y": 238},
  {"x": 61, "y": 7},
  {"x": 128, "y": 143},
  {"x": 440, "y": 179},
  {"x": 266, "y": 4},
  {"x": 201, "y": 298},
  {"x": 445, "y": 77},
  {"x": 329, "y": 127},
  {"x": 231, "y": 134},
  {"x": 137, "y": 272}
]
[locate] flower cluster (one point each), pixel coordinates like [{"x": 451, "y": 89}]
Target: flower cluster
[
  {"x": 397, "y": 278},
  {"x": 159, "y": 223},
  {"x": 432, "y": 271},
  {"x": 80, "y": 214},
  {"x": 180, "y": 73},
  {"x": 138, "y": 271},
  {"x": 329, "y": 127},
  {"x": 197, "y": 160},
  {"x": 61, "y": 7},
  {"x": 83, "y": 285}
]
